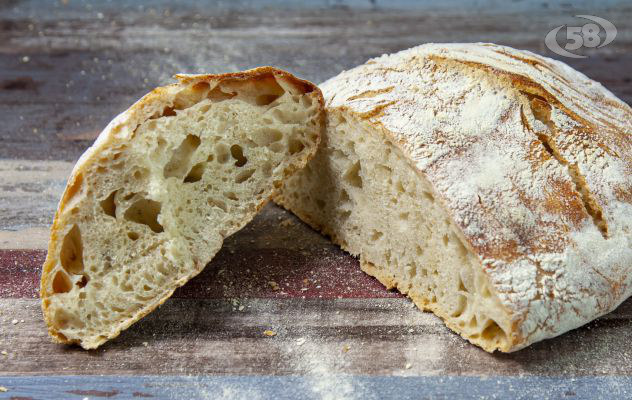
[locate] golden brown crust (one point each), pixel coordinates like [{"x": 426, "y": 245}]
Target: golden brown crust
[{"x": 121, "y": 129}]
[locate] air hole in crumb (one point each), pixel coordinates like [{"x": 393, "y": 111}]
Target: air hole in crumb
[
  {"x": 195, "y": 174},
  {"x": 344, "y": 196},
  {"x": 244, "y": 175},
  {"x": 492, "y": 331},
  {"x": 306, "y": 100},
  {"x": 160, "y": 144},
  {"x": 140, "y": 173},
  {"x": 217, "y": 203},
  {"x": 108, "y": 205},
  {"x": 132, "y": 235},
  {"x": 203, "y": 110},
  {"x": 71, "y": 254},
  {"x": 265, "y": 136},
  {"x": 321, "y": 203},
  {"x": 428, "y": 196},
  {"x": 168, "y": 112},
  {"x": 231, "y": 196},
  {"x": 83, "y": 281},
  {"x": 376, "y": 235},
  {"x": 461, "y": 304},
  {"x": 352, "y": 176},
  {"x": 216, "y": 95},
  {"x": 61, "y": 283},
  {"x": 201, "y": 87},
  {"x": 222, "y": 152},
  {"x": 181, "y": 157},
  {"x": 295, "y": 146},
  {"x": 238, "y": 154},
  {"x": 277, "y": 147},
  {"x": 266, "y": 99},
  {"x": 446, "y": 240},
  {"x": 403, "y": 216},
  {"x": 145, "y": 211}
]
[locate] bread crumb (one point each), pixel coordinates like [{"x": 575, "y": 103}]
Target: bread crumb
[
  {"x": 273, "y": 285},
  {"x": 15, "y": 322},
  {"x": 411, "y": 330},
  {"x": 346, "y": 348},
  {"x": 4, "y": 353},
  {"x": 145, "y": 344},
  {"x": 241, "y": 308},
  {"x": 286, "y": 223},
  {"x": 408, "y": 366},
  {"x": 3, "y": 389},
  {"x": 300, "y": 341},
  {"x": 269, "y": 333}
]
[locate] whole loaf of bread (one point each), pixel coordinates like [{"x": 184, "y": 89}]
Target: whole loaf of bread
[{"x": 491, "y": 185}]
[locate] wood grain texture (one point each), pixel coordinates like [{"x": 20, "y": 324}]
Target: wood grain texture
[
  {"x": 316, "y": 387},
  {"x": 67, "y": 68},
  {"x": 29, "y": 193},
  {"x": 341, "y": 336}
]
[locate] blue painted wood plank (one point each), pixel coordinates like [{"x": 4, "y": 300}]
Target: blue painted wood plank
[{"x": 315, "y": 387}]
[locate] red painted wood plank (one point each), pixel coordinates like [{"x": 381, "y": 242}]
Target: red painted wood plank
[
  {"x": 264, "y": 273},
  {"x": 20, "y": 273}
]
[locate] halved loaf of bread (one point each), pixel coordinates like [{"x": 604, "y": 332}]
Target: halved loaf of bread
[
  {"x": 150, "y": 203},
  {"x": 493, "y": 186}
]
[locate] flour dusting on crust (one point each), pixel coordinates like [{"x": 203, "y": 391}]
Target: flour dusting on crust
[{"x": 531, "y": 159}]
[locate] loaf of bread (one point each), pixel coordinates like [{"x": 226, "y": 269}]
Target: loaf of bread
[
  {"x": 492, "y": 186},
  {"x": 150, "y": 203}
]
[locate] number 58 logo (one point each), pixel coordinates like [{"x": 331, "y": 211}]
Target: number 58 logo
[{"x": 581, "y": 36}]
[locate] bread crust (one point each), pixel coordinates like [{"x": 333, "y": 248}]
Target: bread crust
[
  {"x": 121, "y": 129},
  {"x": 530, "y": 158}
]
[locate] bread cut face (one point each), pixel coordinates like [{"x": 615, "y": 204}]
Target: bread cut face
[
  {"x": 492, "y": 186},
  {"x": 150, "y": 203}
]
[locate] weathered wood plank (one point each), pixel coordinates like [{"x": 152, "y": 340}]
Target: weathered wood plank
[
  {"x": 319, "y": 273},
  {"x": 317, "y": 387},
  {"x": 66, "y": 70},
  {"x": 341, "y": 336},
  {"x": 29, "y": 193}
]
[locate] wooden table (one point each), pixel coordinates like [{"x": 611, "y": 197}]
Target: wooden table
[{"x": 67, "y": 67}]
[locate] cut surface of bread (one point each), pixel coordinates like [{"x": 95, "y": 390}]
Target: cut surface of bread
[
  {"x": 492, "y": 186},
  {"x": 150, "y": 203}
]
